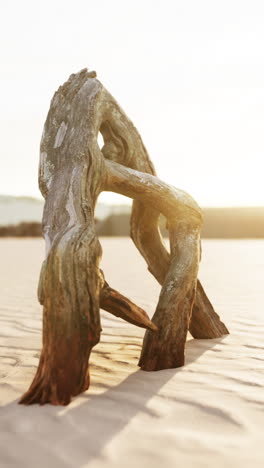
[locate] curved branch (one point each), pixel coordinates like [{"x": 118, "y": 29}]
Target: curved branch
[
  {"x": 165, "y": 349},
  {"x": 168, "y": 200},
  {"x": 205, "y": 323},
  {"x": 120, "y": 306}
]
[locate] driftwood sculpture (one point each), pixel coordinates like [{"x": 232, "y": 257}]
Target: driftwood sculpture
[{"x": 72, "y": 288}]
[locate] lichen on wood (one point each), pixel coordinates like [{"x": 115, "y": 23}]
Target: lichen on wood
[{"x": 73, "y": 171}]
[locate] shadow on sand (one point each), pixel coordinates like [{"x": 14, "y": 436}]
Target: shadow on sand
[{"x": 75, "y": 435}]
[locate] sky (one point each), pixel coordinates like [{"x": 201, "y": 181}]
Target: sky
[{"x": 189, "y": 74}]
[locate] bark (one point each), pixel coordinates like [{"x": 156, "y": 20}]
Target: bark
[
  {"x": 72, "y": 173},
  {"x": 165, "y": 349}
]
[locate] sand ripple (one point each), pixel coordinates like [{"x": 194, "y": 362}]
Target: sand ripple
[{"x": 208, "y": 413}]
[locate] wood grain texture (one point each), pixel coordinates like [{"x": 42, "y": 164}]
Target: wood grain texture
[{"x": 73, "y": 171}]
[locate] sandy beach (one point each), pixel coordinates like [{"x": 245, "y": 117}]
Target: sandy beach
[{"x": 207, "y": 413}]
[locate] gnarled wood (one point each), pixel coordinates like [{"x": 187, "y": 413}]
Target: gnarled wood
[
  {"x": 72, "y": 173},
  {"x": 165, "y": 349}
]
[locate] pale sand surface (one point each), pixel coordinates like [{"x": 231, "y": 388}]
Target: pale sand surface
[{"x": 208, "y": 413}]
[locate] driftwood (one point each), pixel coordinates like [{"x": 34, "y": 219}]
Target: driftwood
[{"x": 72, "y": 173}]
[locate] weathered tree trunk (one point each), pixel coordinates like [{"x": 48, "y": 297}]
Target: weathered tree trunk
[{"x": 72, "y": 173}]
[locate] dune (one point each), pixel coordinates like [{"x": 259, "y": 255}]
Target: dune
[{"x": 207, "y": 413}]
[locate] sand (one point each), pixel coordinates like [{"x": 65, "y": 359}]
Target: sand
[{"x": 208, "y": 413}]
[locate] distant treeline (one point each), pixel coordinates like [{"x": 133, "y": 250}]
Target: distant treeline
[
  {"x": 21, "y": 230},
  {"x": 228, "y": 223},
  {"x": 233, "y": 222}
]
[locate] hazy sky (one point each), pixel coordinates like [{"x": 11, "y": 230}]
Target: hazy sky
[{"x": 189, "y": 73}]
